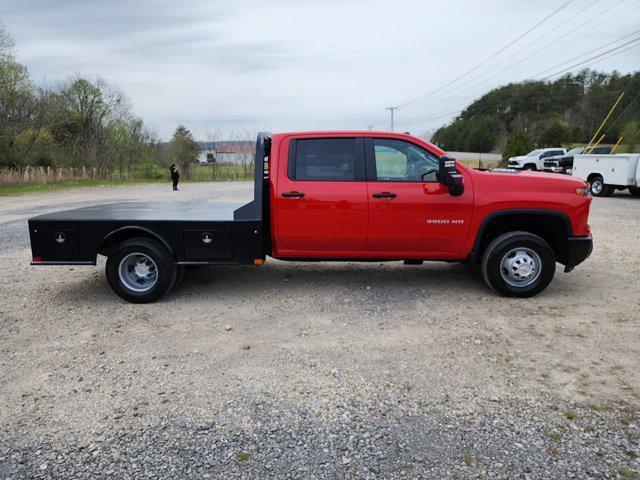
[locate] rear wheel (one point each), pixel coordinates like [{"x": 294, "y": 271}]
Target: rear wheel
[
  {"x": 599, "y": 188},
  {"x": 140, "y": 270},
  {"x": 635, "y": 191},
  {"x": 518, "y": 264}
]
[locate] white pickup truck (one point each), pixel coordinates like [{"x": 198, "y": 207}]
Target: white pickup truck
[
  {"x": 534, "y": 160},
  {"x": 608, "y": 173}
]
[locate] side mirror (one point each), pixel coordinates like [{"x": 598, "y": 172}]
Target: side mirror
[{"x": 448, "y": 176}]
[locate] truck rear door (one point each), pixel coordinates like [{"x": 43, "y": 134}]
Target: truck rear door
[{"x": 321, "y": 198}]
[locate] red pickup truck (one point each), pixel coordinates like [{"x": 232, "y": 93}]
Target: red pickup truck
[{"x": 345, "y": 195}]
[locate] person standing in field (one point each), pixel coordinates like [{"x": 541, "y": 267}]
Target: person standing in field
[{"x": 175, "y": 175}]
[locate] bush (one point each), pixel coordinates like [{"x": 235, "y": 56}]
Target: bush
[
  {"x": 631, "y": 134},
  {"x": 555, "y": 134},
  {"x": 518, "y": 143},
  {"x": 482, "y": 135}
]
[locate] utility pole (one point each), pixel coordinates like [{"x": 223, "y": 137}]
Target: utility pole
[{"x": 392, "y": 109}]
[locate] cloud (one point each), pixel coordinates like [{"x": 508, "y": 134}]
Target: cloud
[{"x": 291, "y": 64}]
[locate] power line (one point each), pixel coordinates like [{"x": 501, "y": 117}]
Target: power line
[
  {"x": 606, "y": 54},
  {"x": 473, "y": 69},
  {"x": 462, "y": 108},
  {"x": 615, "y": 49},
  {"x": 580, "y": 37},
  {"x": 472, "y": 80},
  {"x": 581, "y": 25},
  {"x": 592, "y": 58}
]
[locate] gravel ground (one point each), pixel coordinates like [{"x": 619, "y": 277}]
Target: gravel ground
[{"x": 320, "y": 370}]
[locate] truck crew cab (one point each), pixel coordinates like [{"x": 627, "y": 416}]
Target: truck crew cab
[{"x": 356, "y": 196}]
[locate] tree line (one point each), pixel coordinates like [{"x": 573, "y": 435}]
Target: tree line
[
  {"x": 521, "y": 116},
  {"x": 79, "y": 122}
]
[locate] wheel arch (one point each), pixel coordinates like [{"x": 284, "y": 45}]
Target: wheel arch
[
  {"x": 553, "y": 226},
  {"x": 592, "y": 175},
  {"x": 124, "y": 233}
]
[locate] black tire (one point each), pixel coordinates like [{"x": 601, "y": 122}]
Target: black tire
[
  {"x": 497, "y": 251},
  {"x": 599, "y": 188},
  {"x": 635, "y": 191},
  {"x": 530, "y": 166},
  {"x": 166, "y": 271}
]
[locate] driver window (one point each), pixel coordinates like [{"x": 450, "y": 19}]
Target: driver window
[{"x": 400, "y": 161}]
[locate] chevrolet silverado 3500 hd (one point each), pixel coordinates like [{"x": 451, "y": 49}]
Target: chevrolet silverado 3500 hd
[{"x": 344, "y": 195}]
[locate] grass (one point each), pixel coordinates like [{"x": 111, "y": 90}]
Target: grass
[
  {"x": 9, "y": 190},
  {"x": 625, "y": 472},
  {"x": 198, "y": 173},
  {"x": 570, "y": 415},
  {"x": 243, "y": 457},
  {"x": 467, "y": 460}
]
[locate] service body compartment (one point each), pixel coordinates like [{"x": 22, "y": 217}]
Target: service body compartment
[
  {"x": 617, "y": 170},
  {"x": 211, "y": 244}
]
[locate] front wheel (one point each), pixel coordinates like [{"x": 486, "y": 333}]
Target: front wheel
[
  {"x": 140, "y": 270},
  {"x": 518, "y": 264}
]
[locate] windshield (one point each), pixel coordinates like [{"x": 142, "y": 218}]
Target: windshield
[
  {"x": 575, "y": 151},
  {"x": 535, "y": 153}
]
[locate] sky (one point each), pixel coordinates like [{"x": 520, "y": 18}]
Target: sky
[{"x": 228, "y": 68}]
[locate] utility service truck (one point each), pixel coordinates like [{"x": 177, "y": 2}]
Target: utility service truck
[
  {"x": 338, "y": 196},
  {"x": 608, "y": 173}
]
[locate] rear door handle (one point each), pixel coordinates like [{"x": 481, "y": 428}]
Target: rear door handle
[
  {"x": 293, "y": 195},
  {"x": 384, "y": 195}
]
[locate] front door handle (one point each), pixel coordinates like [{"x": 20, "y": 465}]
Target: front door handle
[
  {"x": 384, "y": 195},
  {"x": 293, "y": 195}
]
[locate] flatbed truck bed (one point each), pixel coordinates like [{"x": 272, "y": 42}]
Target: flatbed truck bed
[{"x": 195, "y": 233}]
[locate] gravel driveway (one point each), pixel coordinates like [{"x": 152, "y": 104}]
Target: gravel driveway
[{"x": 323, "y": 370}]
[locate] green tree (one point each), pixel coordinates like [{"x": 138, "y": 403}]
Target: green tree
[
  {"x": 6, "y": 43},
  {"x": 555, "y": 134},
  {"x": 482, "y": 135},
  {"x": 518, "y": 143},
  {"x": 36, "y": 146},
  {"x": 88, "y": 108},
  {"x": 17, "y": 108},
  {"x": 631, "y": 134},
  {"x": 185, "y": 148},
  {"x": 567, "y": 110}
]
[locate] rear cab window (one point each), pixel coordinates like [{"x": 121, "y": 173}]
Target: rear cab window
[{"x": 326, "y": 159}]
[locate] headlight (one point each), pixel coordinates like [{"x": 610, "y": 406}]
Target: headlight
[{"x": 584, "y": 191}]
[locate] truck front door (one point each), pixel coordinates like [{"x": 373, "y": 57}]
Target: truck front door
[
  {"x": 321, "y": 198},
  {"x": 410, "y": 212}
]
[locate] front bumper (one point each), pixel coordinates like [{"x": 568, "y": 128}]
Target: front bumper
[{"x": 578, "y": 250}]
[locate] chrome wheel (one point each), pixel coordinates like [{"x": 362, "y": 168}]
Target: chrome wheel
[
  {"x": 596, "y": 187},
  {"x": 520, "y": 267},
  {"x": 138, "y": 272}
]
